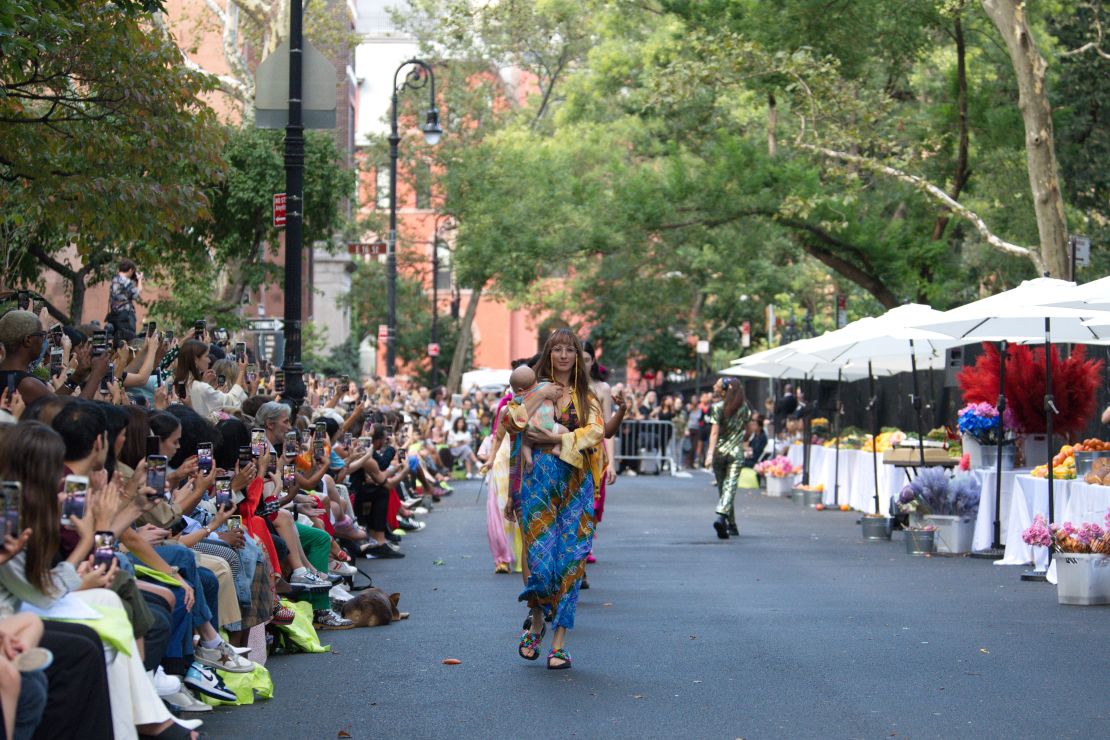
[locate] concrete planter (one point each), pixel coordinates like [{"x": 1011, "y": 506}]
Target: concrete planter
[
  {"x": 1082, "y": 578},
  {"x": 953, "y": 533}
]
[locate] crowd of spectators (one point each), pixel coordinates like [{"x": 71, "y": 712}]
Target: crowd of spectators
[{"x": 168, "y": 514}]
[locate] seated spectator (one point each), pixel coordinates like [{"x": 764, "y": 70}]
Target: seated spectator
[{"x": 203, "y": 396}]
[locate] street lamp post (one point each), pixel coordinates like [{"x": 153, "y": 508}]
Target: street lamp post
[
  {"x": 293, "y": 371},
  {"x": 420, "y": 75}
]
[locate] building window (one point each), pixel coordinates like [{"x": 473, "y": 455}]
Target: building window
[
  {"x": 381, "y": 191},
  {"x": 443, "y": 273},
  {"x": 422, "y": 184}
]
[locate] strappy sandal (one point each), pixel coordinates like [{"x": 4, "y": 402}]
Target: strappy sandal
[
  {"x": 559, "y": 654},
  {"x": 529, "y": 640}
]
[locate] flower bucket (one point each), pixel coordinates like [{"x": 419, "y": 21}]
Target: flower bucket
[
  {"x": 974, "y": 450},
  {"x": 920, "y": 541},
  {"x": 989, "y": 456},
  {"x": 779, "y": 487},
  {"x": 798, "y": 496},
  {"x": 1034, "y": 449},
  {"x": 812, "y": 498},
  {"x": 876, "y": 527},
  {"x": 1083, "y": 578},
  {"x": 953, "y": 533}
]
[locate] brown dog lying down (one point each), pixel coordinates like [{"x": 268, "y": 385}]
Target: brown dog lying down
[{"x": 372, "y": 608}]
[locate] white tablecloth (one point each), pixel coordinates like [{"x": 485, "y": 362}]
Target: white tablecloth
[
  {"x": 984, "y": 521},
  {"x": 795, "y": 453},
  {"x": 856, "y": 476},
  {"x": 1073, "y": 501}
]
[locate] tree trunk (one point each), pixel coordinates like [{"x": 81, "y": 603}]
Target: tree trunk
[
  {"x": 462, "y": 346},
  {"x": 1008, "y": 16},
  {"x": 772, "y": 125},
  {"x": 77, "y": 299}
]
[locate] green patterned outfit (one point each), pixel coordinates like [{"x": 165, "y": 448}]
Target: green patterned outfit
[{"x": 728, "y": 455}]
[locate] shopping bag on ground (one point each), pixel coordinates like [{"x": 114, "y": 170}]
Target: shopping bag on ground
[
  {"x": 246, "y": 686},
  {"x": 748, "y": 478},
  {"x": 300, "y": 636}
]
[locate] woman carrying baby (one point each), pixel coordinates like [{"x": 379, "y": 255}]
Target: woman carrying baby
[{"x": 556, "y": 501}]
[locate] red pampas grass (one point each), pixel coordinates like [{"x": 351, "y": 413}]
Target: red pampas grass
[{"x": 1074, "y": 386}]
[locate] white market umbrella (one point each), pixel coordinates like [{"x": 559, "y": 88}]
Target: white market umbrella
[
  {"x": 1094, "y": 295},
  {"x": 1030, "y": 313}
]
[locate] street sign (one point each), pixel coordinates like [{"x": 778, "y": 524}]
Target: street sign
[
  {"x": 433, "y": 349},
  {"x": 703, "y": 346},
  {"x": 264, "y": 325},
  {"x": 367, "y": 249},
  {"x": 1081, "y": 248},
  {"x": 746, "y": 334},
  {"x": 271, "y": 89},
  {"x": 279, "y": 210},
  {"x": 841, "y": 311},
  {"x": 383, "y": 332}
]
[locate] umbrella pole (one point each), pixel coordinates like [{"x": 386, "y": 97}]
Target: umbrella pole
[
  {"x": 1002, "y": 348},
  {"x": 916, "y": 401},
  {"x": 805, "y": 439},
  {"x": 836, "y": 430},
  {"x": 874, "y": 432},
  {"x": 1049, "y": 409}
]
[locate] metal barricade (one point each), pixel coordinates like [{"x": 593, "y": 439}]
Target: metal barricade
[{"x": 647, "y": 443}]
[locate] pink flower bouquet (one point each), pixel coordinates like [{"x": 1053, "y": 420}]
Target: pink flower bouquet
[{"x": 777, "y": 467}]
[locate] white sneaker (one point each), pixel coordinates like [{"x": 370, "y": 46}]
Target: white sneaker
[
  {"x": 341, "y": 569},
  {"x": 340, "y": 595},
  {"x": 164, "y": 684},
  {"x": 184, "y": 701},
  {"x": 222, "y": 657},
  {"x": 419, "y": 511}
]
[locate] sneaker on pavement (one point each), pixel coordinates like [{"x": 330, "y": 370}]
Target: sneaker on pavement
[
  {"x": 342, "y": 569},
  {"x": 419, "y": 510},
  {"x": 164, "y": 684},
  {"x": 205, "y": 680},
  {"x": 339, "y": 595},
  {"x": 394, "y": 538},
  {"x": 333, "y": 578},
  {"x": 326, "y": 619},
  {"x": 184, "y": 701},
  {"x": 410, "y": 524},
  {"x": 308, "y": 582},
  {"x": 347, "y": 529},
  {"x": 385, "y": 550},
  {"x": 224, "y": 657}
]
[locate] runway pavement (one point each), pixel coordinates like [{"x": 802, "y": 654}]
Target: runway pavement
[{"x": 796, "y": 629}]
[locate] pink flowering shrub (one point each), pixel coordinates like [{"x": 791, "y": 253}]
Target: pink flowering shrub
[{"x": 777, "y": 467}]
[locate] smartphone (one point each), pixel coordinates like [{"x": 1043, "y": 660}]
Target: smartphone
[
  {"x": 221, "y": 336},
  {"x": 364, "y": 443},
  {"x": 99, "y": 343},
  {"x": 153, "y": 445},
  {"x": 13, "y": 383},
  {"x": 235, "y": 522},
  {"x": 109, "y": 378},
  {"x": 279, "y": 381},
  {"x": 367, "y": 429},
  {"x": 55, "y": 361},
  {"x": 104, "y": 549},
  {"x": 156, "y": 473},
  {"x": 23, "y": 300},
  {"x": 169, "y": 336},
  {"x": 292, "y": 444},
  {"x": 11, "y": 494},
  {"x": 223, "y": 491},
  {"x": 258, "y": 441},
  {"x": 240, "y": 351},
  {"x": 344, "y": 382},
  {"x": 151, "y": 328},
  {"x": 204, "y": 457},
  {"x": 199, "y": 329},
  {"x": 55, "y": 334},
  {"x": 347, "y": 438},
  {"x": 246, "y": 456},
  {"x": 76, "y": 489},
  {"x": 321, "y": 430},
  {"x": 252, "y": 373},
  {"x": 221, "y": 380},
  {"x": 179, "y": 390},
  {"x": 289, "y": 475},
  {"x": 318, "y": 449}
]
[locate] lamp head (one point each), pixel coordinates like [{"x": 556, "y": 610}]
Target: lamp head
[{"x": 432, "y": 131}]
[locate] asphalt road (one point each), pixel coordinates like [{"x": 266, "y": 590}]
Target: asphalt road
[{"x": 796, "y": 629}]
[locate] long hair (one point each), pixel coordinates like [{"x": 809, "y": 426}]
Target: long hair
[
  {"x": 734, "y": 398},
  {"x": 134, "y": 442},
  {"x": 596, "y": 370},
  {"x": 34, "y": 455},
  {"x": 579, "y": 379},
  {"x": 186, "y": 370}
]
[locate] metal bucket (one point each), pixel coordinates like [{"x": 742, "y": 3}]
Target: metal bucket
[
  {"x": 876, "y": 527},
  {"x": 798, "y": 496},
  {"x": 920, "y": 541},
  {"x": 989, "y": 457},
  {"x": 812, "y": 498}
]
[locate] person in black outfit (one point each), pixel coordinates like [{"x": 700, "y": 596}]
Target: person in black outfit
[
  {"x": 77, "y": 704},
  {"x": 374, "y": 474},
  {"x": 754, "y": 443},
  {"x": 785, "y": 405}
]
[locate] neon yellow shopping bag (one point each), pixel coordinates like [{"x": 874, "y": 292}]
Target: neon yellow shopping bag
[
  {"x": 748, "y": 479},
  {"x": 246, "y": 686},
  {"x": 300, "y": 636}
]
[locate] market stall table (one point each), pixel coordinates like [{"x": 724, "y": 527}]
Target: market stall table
[
  {"x": 984, "y": 520},
  {"x": 1075, "y": 502}
]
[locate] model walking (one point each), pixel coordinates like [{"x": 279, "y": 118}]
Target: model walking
[
  {"x": 729, "y": 417},
  {"x": 556, "y": 506}
]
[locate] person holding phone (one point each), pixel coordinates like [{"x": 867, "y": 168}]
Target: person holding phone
[
  {"x": 193, "y": 369},
  {"x": 25, "y": 344}
]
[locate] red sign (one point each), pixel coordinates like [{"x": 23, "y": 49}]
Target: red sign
[
  {"x": 433, "y": 349},
  {"x": 383, "y": 332},
  {"x": 367, "y": 249},
  {"x": 279, "y": 210},
  {"x": 746, "y": 334}
]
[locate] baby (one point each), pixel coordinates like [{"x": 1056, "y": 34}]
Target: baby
[{"x": 523, "y": 382}]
